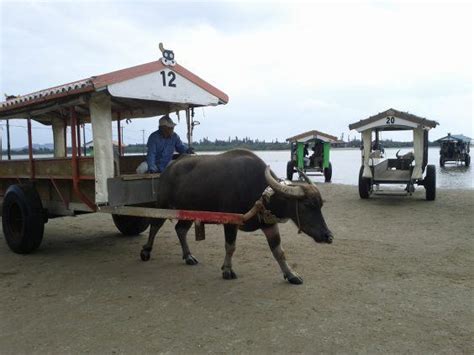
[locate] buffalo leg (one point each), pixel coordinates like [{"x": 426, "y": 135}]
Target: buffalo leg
[
  {"x": 273, "y": 238},
  {"x": 230, "y": 231},
  {"x": 182, "y": 228},
  {"x": 155, "y": 226}
]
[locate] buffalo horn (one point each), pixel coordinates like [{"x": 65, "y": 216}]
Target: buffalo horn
[{"x": 289, "y": 191}]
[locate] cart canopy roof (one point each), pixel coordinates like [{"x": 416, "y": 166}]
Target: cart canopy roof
[
  {"x": 459, "y": 138},
  {"x": 145, "y": 90},
  {"x": 393, "y": 120},
  {"x": 312, "y": 135}
]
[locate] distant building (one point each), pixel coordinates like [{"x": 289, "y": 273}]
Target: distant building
[
  {"x": 339, "y": 144},
  {"x": 90, "y": 144}
]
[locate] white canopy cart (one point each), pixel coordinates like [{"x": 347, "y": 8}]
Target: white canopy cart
[{"x": 408, "y": 169}]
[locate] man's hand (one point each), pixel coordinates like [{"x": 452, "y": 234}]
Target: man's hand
[{"x": 190, "y": 150}]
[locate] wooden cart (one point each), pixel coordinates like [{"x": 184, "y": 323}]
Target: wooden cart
[
  {"x": 454, "y": 148},
  {"x": 409, "y": 169},
  {"x": 310, "y": 155},
  {"x": 71, "y": 183}
]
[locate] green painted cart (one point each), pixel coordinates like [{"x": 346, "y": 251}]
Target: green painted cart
[{"x": 310, "y": 155}]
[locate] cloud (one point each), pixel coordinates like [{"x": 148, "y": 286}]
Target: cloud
[{"x": 287, "y": 66}]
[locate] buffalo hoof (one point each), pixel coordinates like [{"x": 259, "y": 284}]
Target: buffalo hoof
[
  {"x": 294, "y": 279},
  {"x": 190, "y": 260},
  {"x": 145, "y": 255},
  {"x": 229, "y": 275}
]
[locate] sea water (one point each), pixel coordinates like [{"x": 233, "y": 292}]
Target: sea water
[{"x": 346, "y": 163}]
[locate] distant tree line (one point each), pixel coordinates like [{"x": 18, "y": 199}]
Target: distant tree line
[{"x": 206, "y": 145}]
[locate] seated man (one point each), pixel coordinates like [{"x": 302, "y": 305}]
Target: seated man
[
  {"x": 162, "y": 144},
  {"x": 305, "y": 156},
  {"x": 317, "y": 156}
]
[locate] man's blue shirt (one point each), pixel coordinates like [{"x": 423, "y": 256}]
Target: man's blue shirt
[{"x": 160, "y": 150}]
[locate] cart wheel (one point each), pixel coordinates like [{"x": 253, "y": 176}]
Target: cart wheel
[
  {"x": 22, "y": 219},
  {"x": 441, "y": 161},
  {"x": 328, "y": 173},
  {"x": 365, "y": 185},
  {"x": 130, "y": 225},
  {"x": 467, "y": 160},
  {"x": 290, "y": 170},
  {"x": 430, "y": 182}
]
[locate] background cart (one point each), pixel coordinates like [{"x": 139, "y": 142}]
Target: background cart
[
  {"x": 310, "y": 155},
  {"x": 405, "y": 169},
  {"x": 454, "y": 148}
]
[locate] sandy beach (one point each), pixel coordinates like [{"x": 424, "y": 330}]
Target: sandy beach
[{"x": 397, "y": 279}]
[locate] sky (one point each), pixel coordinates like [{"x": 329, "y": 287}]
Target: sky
[{"x": 287, "y": 66}]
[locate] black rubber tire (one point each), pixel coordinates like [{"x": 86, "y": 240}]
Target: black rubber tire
[
  {"x": 23, "y": 219},
  {"x": 290, "y": 169},
  {"x": 365, "y": 185},
  {"x": 441, "y": 162},
  {"x": 130, "y": 225},
  {"x": 430, "y": 183},
  {"x": 467, "y": 160},
  {"x": 328, "y": 173}
]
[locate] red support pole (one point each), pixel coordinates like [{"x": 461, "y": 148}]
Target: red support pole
[
  {"x": 30, "y": 150},
  {"x": 74, "y": 162},
  {"x": 65, "y": 136},
  {"x": 78, "y": 139},
  {"x": 73, "y": 144}
]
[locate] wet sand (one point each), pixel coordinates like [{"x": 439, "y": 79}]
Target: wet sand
[{"x": 397, "y": 279}]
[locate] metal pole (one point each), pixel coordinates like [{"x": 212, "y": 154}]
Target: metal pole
[
  {"x": 143, "y": 140},
  {"x": 189, "y": 124},
  {"x": 65, "y": 136},
  {"x": 119, "y": 135},
  {"x": 123, "y": 144},
  {"x": 9, "y": 153},
  {"x": 30, "y": 150}
]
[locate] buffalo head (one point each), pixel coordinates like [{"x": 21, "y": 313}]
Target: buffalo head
[{"x": 302, "y": 203}]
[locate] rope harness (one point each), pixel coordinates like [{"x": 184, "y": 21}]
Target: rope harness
[{"x": 265, "y": 215}]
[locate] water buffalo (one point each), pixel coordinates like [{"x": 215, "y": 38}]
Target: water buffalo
[{"x": 233, "y": 182}]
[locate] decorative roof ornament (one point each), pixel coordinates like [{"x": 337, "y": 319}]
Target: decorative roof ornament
[{"x": 168, "y": 56}]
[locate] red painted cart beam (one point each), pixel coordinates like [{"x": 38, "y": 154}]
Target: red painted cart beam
[
  {"x": 202, "y": 216},
  {"x": 214, "y": 217}
]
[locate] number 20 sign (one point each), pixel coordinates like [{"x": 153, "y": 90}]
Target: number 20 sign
[{"x": 390, "y": 120}]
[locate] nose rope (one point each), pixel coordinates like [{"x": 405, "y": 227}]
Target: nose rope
[{"x": 298, "y": 217}]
